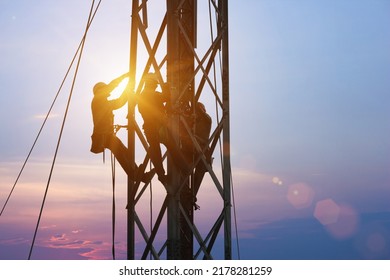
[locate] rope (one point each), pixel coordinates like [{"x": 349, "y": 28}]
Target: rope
[
  {"x": 151, "y": 211},
  {"x": 63, "y": 124},
  {"x": 113, "y": 204},
  {"x": 46, "y": 118}
]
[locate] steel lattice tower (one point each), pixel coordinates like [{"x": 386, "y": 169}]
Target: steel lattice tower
[{"x": 193, "y": 74}]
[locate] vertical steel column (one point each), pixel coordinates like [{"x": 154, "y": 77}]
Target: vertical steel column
[
  {"x": 173, "y": 78},
  {"x": 131, "y": 134},
  {"x": 180, "y": 65},
  {"x": 186, "y": 18},
  {"x": 226, "y": 129}
]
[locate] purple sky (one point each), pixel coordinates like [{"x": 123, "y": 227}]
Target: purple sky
[{"x": 310, "y": 110}]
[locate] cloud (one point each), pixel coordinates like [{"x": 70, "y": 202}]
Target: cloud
[
  {"x": 13, "y": 241},
  {"x": 58, "y": 237},
  {"x": 70, "y": 245},
  {"x": 47, "y": 227},
  {"x": 77, "y": 218},
  {"x": 51, "y": 116}
]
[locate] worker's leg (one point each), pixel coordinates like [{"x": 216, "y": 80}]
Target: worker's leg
[
  {"x": 120, "y": 152},
  {"x": 154, "y": 153},
  {"x": 200, "y": 171}
]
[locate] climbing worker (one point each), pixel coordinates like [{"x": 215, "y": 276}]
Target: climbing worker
[
  {"x": 195, "y": 144},
  {"x": 202, "y": 134},
  {"x": 103, "y": 131},
  {"x": 153, "y": 111}
]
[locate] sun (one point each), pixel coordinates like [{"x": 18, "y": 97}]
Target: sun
[
  {"x": 120, "y": 114},
  {"x": 119, "y": 89}
]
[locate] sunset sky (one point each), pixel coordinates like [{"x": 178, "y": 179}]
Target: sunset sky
[{"x": 310, "y": 129}]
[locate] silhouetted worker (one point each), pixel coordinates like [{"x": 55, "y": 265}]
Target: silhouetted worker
[
  {"x": 103, "y": 131},
  {"x": 202, "y": 134},
  {"x": 152, "y": 109}
]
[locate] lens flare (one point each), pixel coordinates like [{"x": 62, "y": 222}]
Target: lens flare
[
  {"x": 341, "y": 221},
  {"x": 300, "y": 195},
  {"x": 327, "y": 212}
]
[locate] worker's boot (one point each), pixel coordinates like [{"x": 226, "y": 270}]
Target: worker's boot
[{"x": 141, "y": 175}]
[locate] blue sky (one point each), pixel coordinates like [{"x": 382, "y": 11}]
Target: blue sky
[{"x": 310, "y": 110}]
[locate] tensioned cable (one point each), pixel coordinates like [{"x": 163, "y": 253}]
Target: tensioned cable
[
  {"x": 235, "y": 217},
  {"x": 113, "y": 204},
  {"x": 63, "y": 123},
  {"x": 151, "y": 209},
  {"x": 47, "y": 116}
]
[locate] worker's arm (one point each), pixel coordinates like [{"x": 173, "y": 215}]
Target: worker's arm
[
  {"x": 119, "y": 102},
  {"x": 114, "y": 83},
  {"x": 122, "y": 100}
]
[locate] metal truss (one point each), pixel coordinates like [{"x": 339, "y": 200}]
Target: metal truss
[{"x": 171, "y": 40}]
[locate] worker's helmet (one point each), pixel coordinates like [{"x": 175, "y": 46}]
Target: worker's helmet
[
  {"x": 151, "y": 79},
  {"x": 200, "y": 107},
  {"x": 99, "y": 89}
]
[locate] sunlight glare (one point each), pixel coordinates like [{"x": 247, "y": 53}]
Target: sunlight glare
[
  {"x": 120, "y": 114},
  {"x": 119, "y": 89}
]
